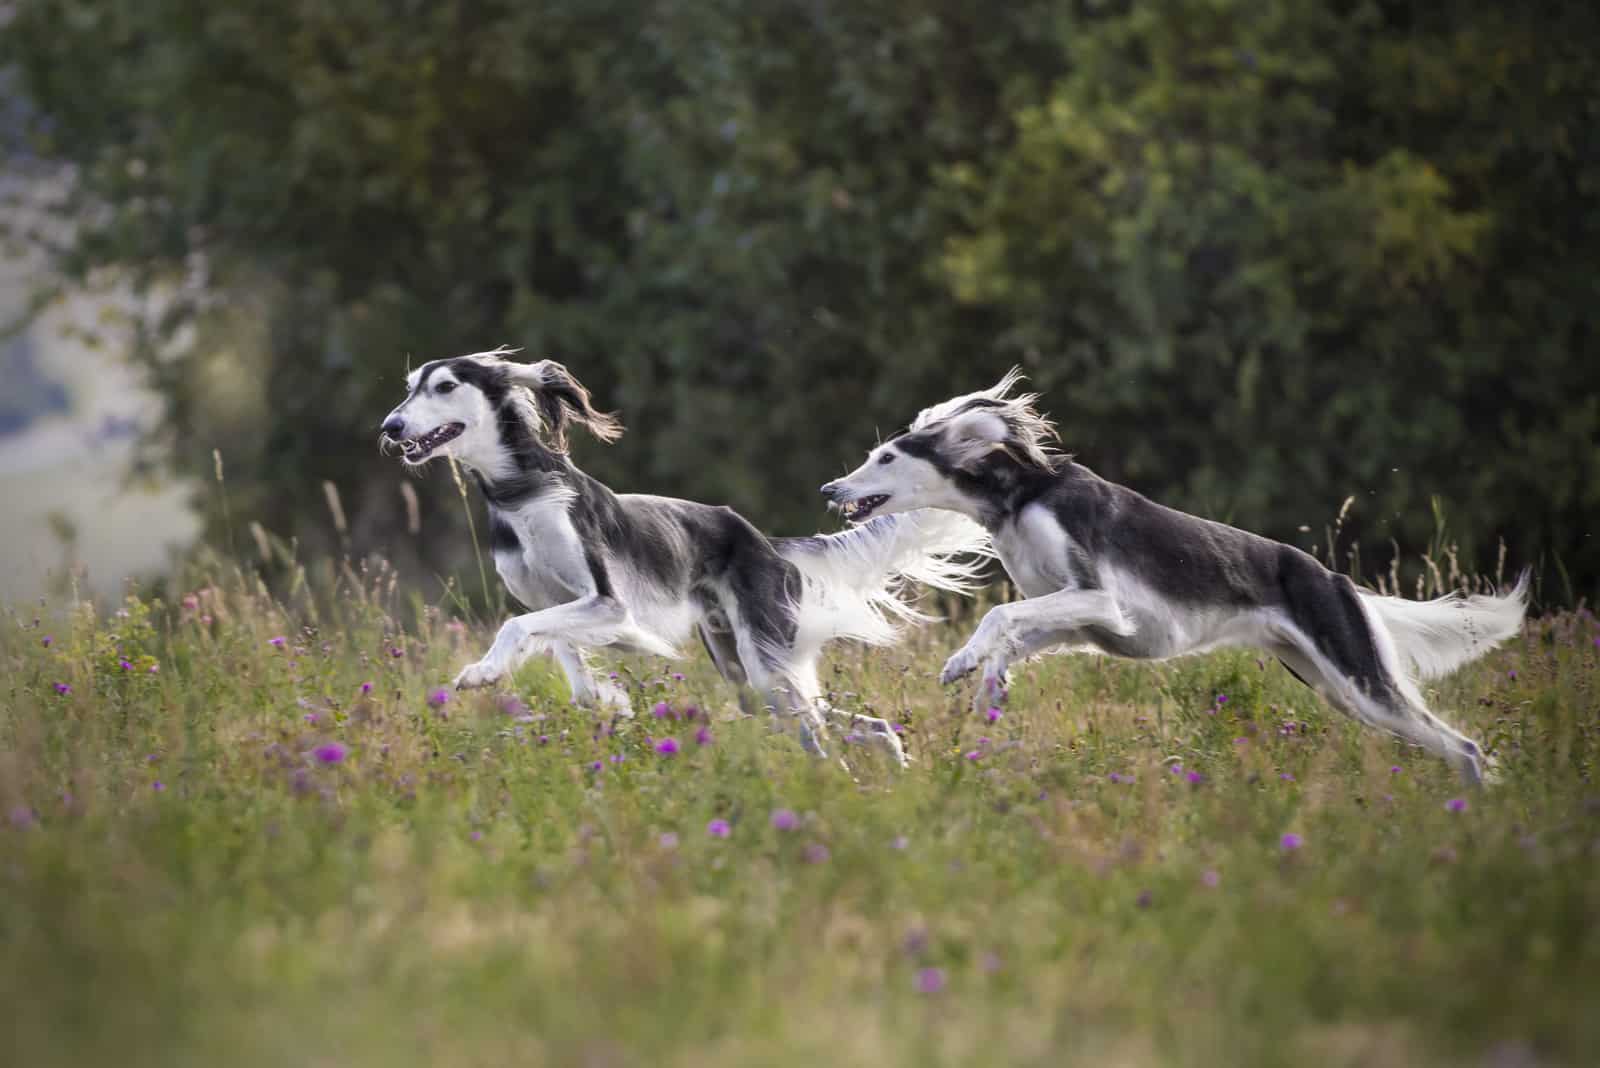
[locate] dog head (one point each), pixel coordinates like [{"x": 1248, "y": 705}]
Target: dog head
[
  {"x": 950, "y": 454},
  {"x": 464, "y": 406}
]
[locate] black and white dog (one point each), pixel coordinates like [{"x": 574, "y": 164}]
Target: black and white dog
[
  {"x": 1107, "y": 569},
  {"x": 600, "y": 569}
]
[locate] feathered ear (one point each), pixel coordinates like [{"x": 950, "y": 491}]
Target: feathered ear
[
  {"x": 563, "y": 401},
  {"x": 974, "y": 434}
]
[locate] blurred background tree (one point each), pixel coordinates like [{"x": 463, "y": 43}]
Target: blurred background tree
[{"x": 1258, "y": 256}]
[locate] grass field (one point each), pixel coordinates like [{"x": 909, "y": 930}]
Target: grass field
[{"x": 248, "y": 834}]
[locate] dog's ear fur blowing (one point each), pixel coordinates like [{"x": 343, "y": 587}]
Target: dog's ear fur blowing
[{"x": 563, "y": 401}]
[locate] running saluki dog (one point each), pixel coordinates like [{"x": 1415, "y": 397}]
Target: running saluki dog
[
  {"x": 1107, "y": 569},
  {"x": 600, "y": 569}
]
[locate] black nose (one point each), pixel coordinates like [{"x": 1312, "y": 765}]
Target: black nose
[
  {"x": 830, "y": 490},
  {"x": 394, "y": 426}
]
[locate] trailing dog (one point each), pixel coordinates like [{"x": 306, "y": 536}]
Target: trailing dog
[
  {"x": 598, "y": 569},
  {"x": 1106, "y": 569}
]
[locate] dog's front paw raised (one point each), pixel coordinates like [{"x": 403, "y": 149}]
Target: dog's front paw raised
[
  {"x": 476, "y": 676},
  {"x": 959, "y": 666}
]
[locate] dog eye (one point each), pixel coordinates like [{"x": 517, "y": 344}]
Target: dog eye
[
  {"x": 444, "y": 387},
  {"x": 886, "y": 458}
]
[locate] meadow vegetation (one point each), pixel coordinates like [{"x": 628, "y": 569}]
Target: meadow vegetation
[{"x": 249, "y": 829}]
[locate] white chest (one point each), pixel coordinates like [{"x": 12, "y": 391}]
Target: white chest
[
  {"x": 546, "y": 566},
  {"x": 1035, "y": 552}
]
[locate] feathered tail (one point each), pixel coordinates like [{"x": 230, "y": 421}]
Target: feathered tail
[
  {"x": 858, "y": 582},
  {"x": 1436, "y": 637}
]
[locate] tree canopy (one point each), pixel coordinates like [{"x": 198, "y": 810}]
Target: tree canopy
[{"x": 1258, "y": 256}]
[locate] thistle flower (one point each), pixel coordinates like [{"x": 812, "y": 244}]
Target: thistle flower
[
  {"x": 63, "y": 689},
  {"x": 702, "y": 736},
  {"x": 930, "y": 980},
  {"x": 1290, "y": 842},
  {"x": 993, "y": 715},
  {"x": 276, "y": 643},
  {"x": 439, "y": 698},
  {"x": 817, "y": 853},
  {"x": 900, "y": 842},
  {"x": 158, "y": 786},
  {"x": 667, "y": 747},
  {"x": 661, "y": 710},
  {"x": 784, "y": 819},
  {"x": 366, "y": 688},
  {"x": 46, "y": 640},
  {"x": 1210, "y": 878},
  {"x": 719, "y": 828},
  {"x": 332, "y": 753},
  {"x": 1456, "y": 804},
  {"x": 126, "y": 666},
  {"x": 677, "y": 676},
  {"x": 1195, "y": 778},
  {"x": 668, "y": 840}
]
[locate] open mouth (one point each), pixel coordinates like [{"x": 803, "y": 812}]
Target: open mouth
[
  {"x": 857, "y": 510},
  {"x": 416, "y": 450}
]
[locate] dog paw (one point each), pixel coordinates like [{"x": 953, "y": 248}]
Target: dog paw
[
  {"x": 477, "y": 676},
  {"x": 962, "y": 664}
]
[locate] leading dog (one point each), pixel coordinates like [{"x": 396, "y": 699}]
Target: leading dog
[
  {"x": 1103, "y": 567},
  {"x": 600, "y": 569}
]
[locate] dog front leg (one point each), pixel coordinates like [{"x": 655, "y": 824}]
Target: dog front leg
[
  {"x": 592, "y": 620},
  {"x": 1011, "y": 631}
]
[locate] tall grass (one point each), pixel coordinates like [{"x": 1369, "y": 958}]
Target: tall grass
[{"x": 252, "y": 830}]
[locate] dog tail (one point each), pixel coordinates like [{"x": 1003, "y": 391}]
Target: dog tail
[
  {"x": 1436, "y": 637},
  {"x": 859, "y": 583}
]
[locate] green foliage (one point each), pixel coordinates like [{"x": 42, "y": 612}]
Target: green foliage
[
  {"x": 1259, "y": 256},
  {"x": 192, "y": 876}
]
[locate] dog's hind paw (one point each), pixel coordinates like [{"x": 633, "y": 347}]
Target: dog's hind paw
[{"x": 476, "y": 676}]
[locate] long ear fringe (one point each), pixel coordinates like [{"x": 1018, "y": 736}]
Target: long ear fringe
[
  {"x": 1030, "y": 435},
  {"x": 562, "y": 401}
]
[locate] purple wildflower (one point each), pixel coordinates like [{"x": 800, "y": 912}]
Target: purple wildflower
[
  {"x": 993, "y": 715},
  {"x": 46, "y": 640},
  {"x": 126, "y": 666},
  {"x": 817, "y": 853},
  {"x": 332, "y": 753},
  {"x": 1290, "y": 842},
  {"x": 21, "y": 817},
  {"x": 276, "y": 643},
  {"x": 1394, "y": 769},
  {"x": 719, "y": 828},
  {"x": 1456, "y": 804},
  {"x": 1210, "y": 878},
  {"x": 1176, "y": 769},
  {"x": 1144, "y": 899},
  {"x": 667, "y": 747},
  {"x": 668, "y": 840},
  {"x": 597, "y": 767},
  {"x": 1286, "y": 776},
  {"x": 690, "y": 712},
  {"x": 974, "y": 754},
  {"x": 310, "y": 717},
  {"x": 158, "y": 786},
  {"x": 900, "y": 842},
  {"x": 544, "y": 739},
  {"x": 990, "y": 962},
  {"x": 155, "y": 669},
  {"x": 784, "y": 819},
  {"x": 1195, "y": 778},
  {"x": 930, "y": 980},
  {"x": 476, "y": 836},
  {"x": 63, "y": 689},
  {"x": 702, "y": 736},
  {"x": 616, "y": 758},
  {"x": 439, "y": 698},
  {"x": 396, "y": 652},
  {"x": 677, "y": 676},
  {"x": 1512, "y": 674},
  {"x": 662, "y": 710},
  {"x": 366, "y": 688}
]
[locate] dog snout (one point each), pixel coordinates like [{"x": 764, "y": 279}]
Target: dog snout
[
  {"x": 394, "y": 426},
  {"x": 830, "y": 490}
]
